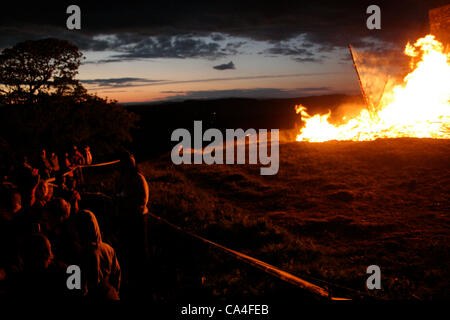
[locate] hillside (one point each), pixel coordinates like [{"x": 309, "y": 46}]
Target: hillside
[
  {"x": 158, "y": 120},
  {"x": 333, "y": 209}
]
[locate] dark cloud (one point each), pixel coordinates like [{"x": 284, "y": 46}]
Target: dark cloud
[
  {"x": 218, "y": 37},
  {"x": 225, "y": 66},
  {"x": 328, "y": 23},
  {"x": 139, "y": 82},
  {"x": 171, "y": 47},
  {"x": 119, "y": 82},
  {"x": 131, "y": 47},
  {"x": 233, "y": 47},
  {"x": 299, "y": 53}
]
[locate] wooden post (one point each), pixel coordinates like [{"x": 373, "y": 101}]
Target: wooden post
[{"x": 366, "y": 99}]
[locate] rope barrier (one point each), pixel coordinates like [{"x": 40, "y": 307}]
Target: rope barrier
[
  {"x": 85, "y": 166},
  {"x": 270, "y": 269},
  {"x": 98, "y": 164}
]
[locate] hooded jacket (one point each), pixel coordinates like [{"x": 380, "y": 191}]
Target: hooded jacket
[{"x": 99, "y": 263}]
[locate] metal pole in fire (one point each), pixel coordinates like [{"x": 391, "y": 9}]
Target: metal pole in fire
[{"x": 366, "y": 99}]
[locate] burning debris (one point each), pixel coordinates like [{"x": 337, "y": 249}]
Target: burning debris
[{"x": 419, "y": 106}]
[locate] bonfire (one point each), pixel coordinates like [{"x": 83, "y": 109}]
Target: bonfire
[{"x": 418, "y": 107}]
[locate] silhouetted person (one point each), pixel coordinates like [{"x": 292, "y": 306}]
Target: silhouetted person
[
  {"x": 26, "y": 179},
  {"x": 101, "y": 270},
  {"x": 42, "y": 277},
  {"x": 77, "y": 159},
  {"x": 88, "y": 158},
  {"x": 45, "y": 168},
  {"x": 56, "y": 225},
  {"x": 41, "y": 195},
  {"x": 88, "y": 155},
  {"x": 67, "y": 165},
  {"x": 133, "y": 195},
  {"x": 54, "y": 163},
  {"x": 72, "y": 194},
  {"x": 10, "y": 214},
  {"x": 62, "y": 191}
]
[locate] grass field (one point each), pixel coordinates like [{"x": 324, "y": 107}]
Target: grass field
[{"x": 333, "y": 209}]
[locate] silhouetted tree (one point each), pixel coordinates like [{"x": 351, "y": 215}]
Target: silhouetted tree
[
  {"x": 44, "y": 105},
  {"x": 32, "y": 69}
]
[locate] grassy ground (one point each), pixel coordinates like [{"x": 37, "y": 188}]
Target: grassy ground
[{"x": 333, "y": 209}]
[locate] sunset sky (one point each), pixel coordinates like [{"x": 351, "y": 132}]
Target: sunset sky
[{"x": 179, "y": 50}]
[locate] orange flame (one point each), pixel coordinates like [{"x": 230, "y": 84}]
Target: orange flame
[{"x": 419, "y": 107}]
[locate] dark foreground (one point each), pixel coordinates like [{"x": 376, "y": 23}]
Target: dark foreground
[{"x": 333, "y": 209}]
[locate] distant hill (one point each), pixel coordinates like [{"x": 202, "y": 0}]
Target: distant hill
[{"x": 158, "y": 120}]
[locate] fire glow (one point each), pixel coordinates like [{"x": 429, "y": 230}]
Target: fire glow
[{"x": 419, "y": 107}]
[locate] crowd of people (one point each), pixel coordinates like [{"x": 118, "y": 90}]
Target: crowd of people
[{"x": 44, "y": 229}]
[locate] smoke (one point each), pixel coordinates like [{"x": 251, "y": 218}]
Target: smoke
[{"x": 380, "y": 70}]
